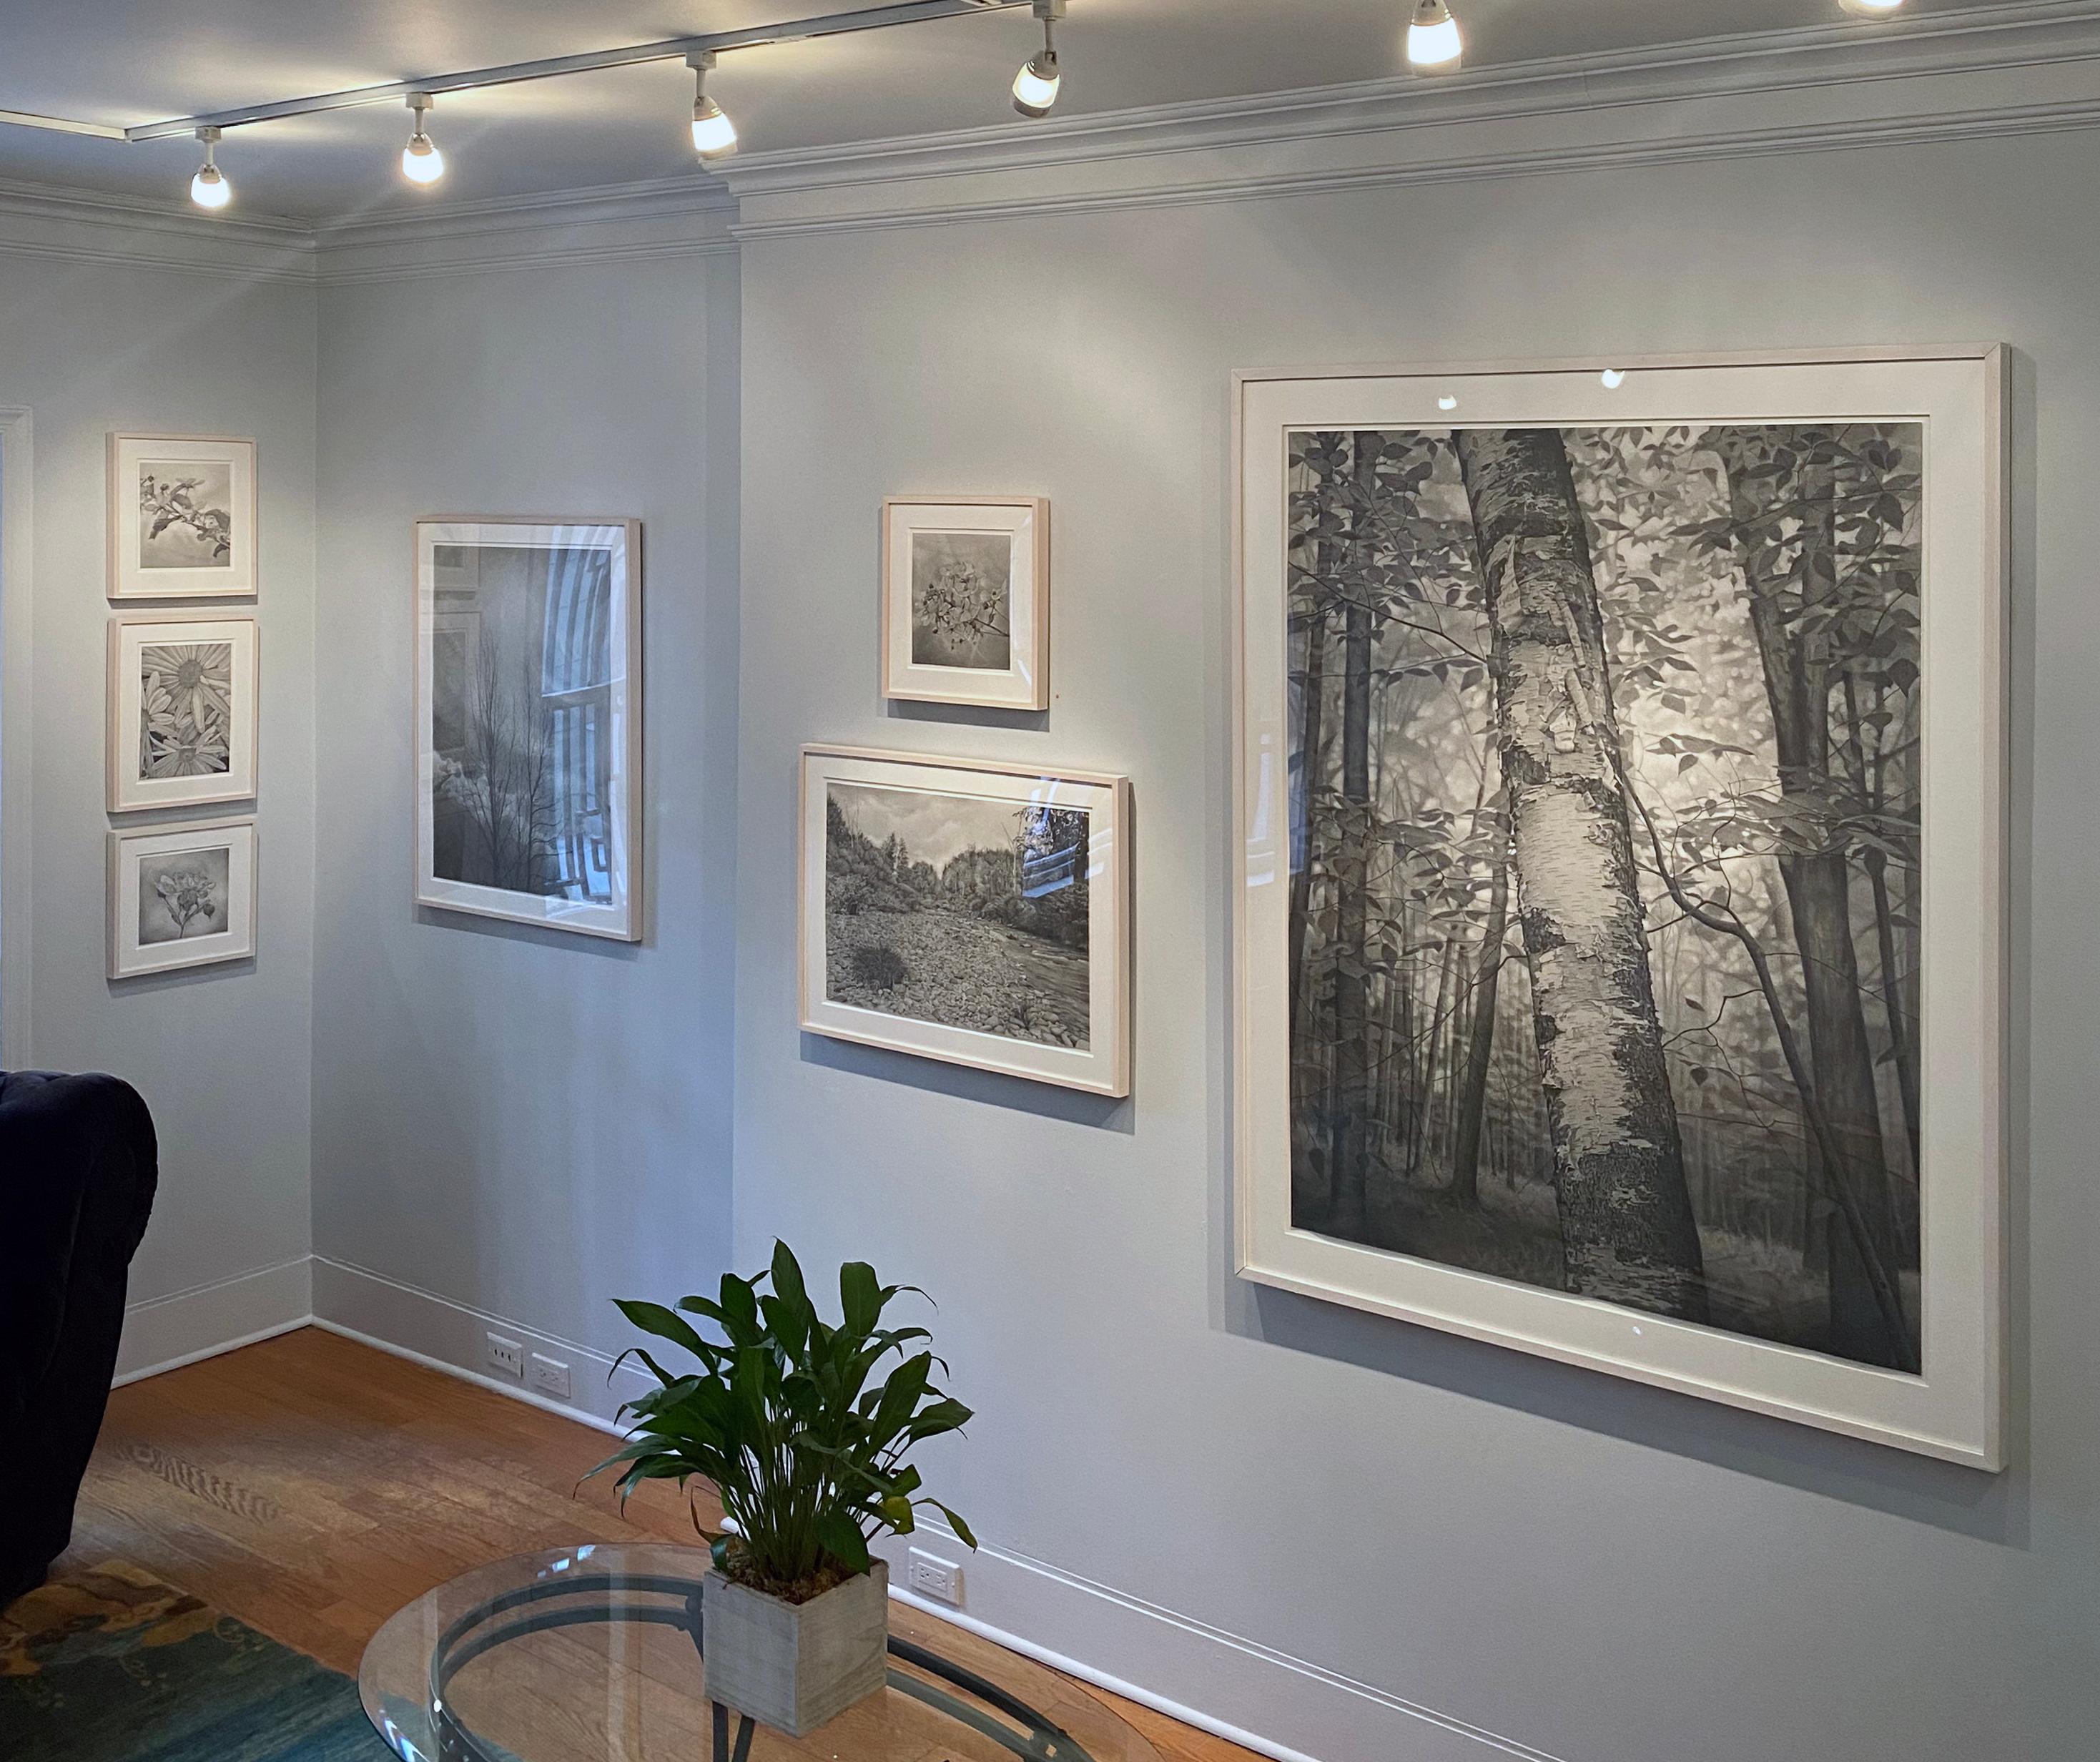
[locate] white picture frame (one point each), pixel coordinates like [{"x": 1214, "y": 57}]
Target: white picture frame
[
  {"x": 980, "y": 925},
  {"x": 181, "y": 896},
  {"x": 1952, "y": 1407},
  {"x": 183, "y": 517},
  {"x": 966, "y": 600},
  {"x": 529, "y": 670},
  {"x": 183, "y": 710}
]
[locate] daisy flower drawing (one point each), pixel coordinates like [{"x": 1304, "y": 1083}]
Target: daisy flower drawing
[{"x": 185, "y": 713}]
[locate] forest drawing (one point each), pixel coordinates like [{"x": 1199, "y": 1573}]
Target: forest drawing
[
  {"x": 519, "y": 723},
  {"x": 968, "y": 912},
  {"x": 185, "y": 514},
  {"x": 1603, "y": 931},
  {"x": 183, "y": 896},
  {"x": 962, "y": 613}
]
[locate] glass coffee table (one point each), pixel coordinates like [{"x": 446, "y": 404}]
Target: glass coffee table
[{"x": 594, "y": 1654}]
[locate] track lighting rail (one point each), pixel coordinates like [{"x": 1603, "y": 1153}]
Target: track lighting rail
[{"x": 516, "y": 73}]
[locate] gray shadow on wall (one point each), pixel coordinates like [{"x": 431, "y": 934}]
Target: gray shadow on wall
[
  {"x": 544, "y": 935},
  {"x": 970, "y": 715},
  {"x": 1920, "y": 1488},
  {"x": 994, "y": 1089}
]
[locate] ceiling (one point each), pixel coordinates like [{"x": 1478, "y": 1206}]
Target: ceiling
[{"x": 125, "y": 62}]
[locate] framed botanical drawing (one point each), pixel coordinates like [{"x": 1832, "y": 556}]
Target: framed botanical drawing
[
  {"x": 181, "y": 896},
  {"x": 181, "y": 516},
  {"x": 1620, "y": 913},
  {"x": 183, "y": 694},
  {"x": 970, "y": 911},
  {"x": 966, "y": 600},
  {"x": 528, "y": 721}
]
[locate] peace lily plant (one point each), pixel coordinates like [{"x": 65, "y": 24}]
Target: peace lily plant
[{"x": 803, "y": 1427}]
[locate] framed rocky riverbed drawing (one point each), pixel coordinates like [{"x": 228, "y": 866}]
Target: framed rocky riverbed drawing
[
  {"x": 1621, "y": 953},
  {"x": 970, "y": 911},
  {"x": 183, "y": 700},
  {"x": 181, "y": 896},
  {"x": 181, "y": 516},
  {"x": 966, "y": 600},
  {"x": 528, "y": 721}
]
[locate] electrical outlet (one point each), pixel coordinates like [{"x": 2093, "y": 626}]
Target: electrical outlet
[
  {"x": 550, "y": 1376},
  {"x": 504, "y": 1355},
  {"x": 931, "y": 1576}
]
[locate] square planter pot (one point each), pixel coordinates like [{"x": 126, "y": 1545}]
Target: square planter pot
[{"x": 793, "y": 1666}]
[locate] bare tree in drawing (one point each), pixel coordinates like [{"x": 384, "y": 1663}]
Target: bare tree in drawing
[{"x": 505, "y": 780}]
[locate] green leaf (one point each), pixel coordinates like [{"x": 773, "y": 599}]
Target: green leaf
[
  {"x": 860, "y": 1296},
  {"x": 665, "y": 1324},
  {"x": 840, "y": 1535}
]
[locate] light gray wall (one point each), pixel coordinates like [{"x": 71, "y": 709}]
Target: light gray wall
[
  {"x": 512, "y": 1119},
  {"x": 1611, "y": 1572},
  {"x": 220, "y": 1052}
]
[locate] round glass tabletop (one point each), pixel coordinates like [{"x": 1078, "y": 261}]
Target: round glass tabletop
[{"x": 592, "y": 1655}]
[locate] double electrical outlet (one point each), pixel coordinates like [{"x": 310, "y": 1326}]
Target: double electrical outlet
[{"x": 507, "y": 1358}]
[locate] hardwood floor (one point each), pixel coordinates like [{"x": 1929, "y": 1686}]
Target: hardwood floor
[{"x": 311, "y": 1486}]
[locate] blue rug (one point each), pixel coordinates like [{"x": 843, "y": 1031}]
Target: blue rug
[{"x": 111, "y": 1665}]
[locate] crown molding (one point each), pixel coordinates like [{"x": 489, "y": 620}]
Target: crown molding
[
  {"x": 87, "y": 226},
  {"x": 628, "y": 223},
  {"x": 2028, "y": 67}
]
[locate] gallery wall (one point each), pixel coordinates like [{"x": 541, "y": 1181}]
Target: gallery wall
[
  {"x": 510, "y": 1122},
  {"x": 1351, "y": 1536},
  {"x": 91, "y": 341}
]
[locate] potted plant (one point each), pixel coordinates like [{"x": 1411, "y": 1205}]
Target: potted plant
[{"x": 803, "y": 1429}]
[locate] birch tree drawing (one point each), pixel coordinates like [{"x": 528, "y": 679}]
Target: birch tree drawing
[{"x": 1604, "y": 771}]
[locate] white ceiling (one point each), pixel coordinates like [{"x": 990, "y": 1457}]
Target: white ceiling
[{"x": 131, "y": 61}]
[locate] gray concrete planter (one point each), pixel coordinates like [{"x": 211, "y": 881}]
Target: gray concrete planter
[{"x": 793, "y": 1666}]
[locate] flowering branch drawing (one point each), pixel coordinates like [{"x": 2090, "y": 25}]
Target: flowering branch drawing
[
  {"x": 166, "y": 501},
  {"x": 186, "y": 896}
]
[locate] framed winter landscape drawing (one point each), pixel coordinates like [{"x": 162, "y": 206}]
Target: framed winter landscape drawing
[
  {"x": 966, "y": 600},
  {"x": 182, "y": 693},
  {"x": 528, "y": 721},
  {"x": 181, "y": 516},
  {"x": 1619, "y": 963},
  {"x": 974, "y": 912},
  {"x": 182, "y": 896}
]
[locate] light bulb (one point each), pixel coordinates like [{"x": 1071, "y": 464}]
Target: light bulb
[
  {"x": 713, "y": 133},
  {"x": 1871, "y": 9},
  {"x": 1433, "y": 43},
  {"x": 421, "y": 161},
  {"x": 210, "y": 189},
  {"x": 1035, "y": 86},
  {"x": 1613, "y": 377},
  {"x": 1447, "y": 402}
]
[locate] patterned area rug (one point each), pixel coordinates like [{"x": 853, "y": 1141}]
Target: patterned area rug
[{"x": 111, "y": 1665}]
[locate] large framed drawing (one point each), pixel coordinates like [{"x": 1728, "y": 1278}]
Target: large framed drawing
[
  {"x": 970, "y": 911},
  {"x": 966, "y": 600},
  {"x": 528, "y": 721},
  {"x": 184, "y": 692},
  {"x": 181, "y": 516},
  {"x": 1620, "y": 960}
]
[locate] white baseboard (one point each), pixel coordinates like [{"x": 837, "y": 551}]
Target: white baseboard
[
  {"x": 1249, "y": 1693},
  {"x": 442, "y": 1334},
  {"x": 1220, "y": 1682},
  {"x": 165, "y": 1333}
]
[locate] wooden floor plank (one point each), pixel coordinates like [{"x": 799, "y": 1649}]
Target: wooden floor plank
[{"x": 311, "y": 1485}]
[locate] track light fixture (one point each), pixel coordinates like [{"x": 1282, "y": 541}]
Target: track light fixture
[
  {"x": 209, "y": 188},
  {"x": 1433, "y": 43},
  {"x": 1871, "y": 9},
  {"x": 1035, "y": 86},
  {"x": 421, "y": 161},
  {"x": 714, "y": 135}
]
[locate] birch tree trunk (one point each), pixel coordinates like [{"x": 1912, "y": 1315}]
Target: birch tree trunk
[{"x": 1627, "y": 1228}]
